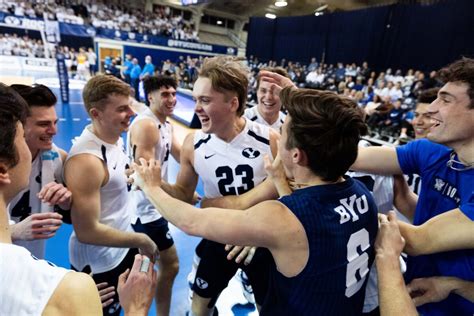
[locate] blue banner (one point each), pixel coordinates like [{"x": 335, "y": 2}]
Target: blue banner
[
  {"x": 164, "y": 41},
  {"x": 63, "y": 78},
  {"x": 9, "y": 20}
]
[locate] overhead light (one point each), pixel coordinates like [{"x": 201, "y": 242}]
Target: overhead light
[
  {"x": 318, "y": 13},
  {"x": 322, "y": 8},
  {"x": 270, "y": 16},
  {"x": 219, "y": 22},
  {"x": 281, "y": 4}
]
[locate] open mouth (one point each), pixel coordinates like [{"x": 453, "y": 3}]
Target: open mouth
[
  {"x": 420, "y": 131},
  {"x": 268, "y": 104},
  {"x": 46, "y": 139},
  {"x": 435, "y": 122}
]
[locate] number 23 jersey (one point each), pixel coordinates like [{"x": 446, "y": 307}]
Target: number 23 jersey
[{"x": 235, "y": 167}]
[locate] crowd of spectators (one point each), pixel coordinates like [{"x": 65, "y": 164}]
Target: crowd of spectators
[
  {"x": 388, "y": 97},
  {"x": 80, "y": 63},
  {"x": 14, "y": 45},
  {"x": 160, "y": 21}
]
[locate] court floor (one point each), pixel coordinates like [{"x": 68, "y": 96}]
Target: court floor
[{"x": 72, "y": 120}]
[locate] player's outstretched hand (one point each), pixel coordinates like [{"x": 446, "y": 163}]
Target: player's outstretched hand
[
  {"x": 136, "y": 287},
  {"x": 55, "y": 193},
  {"x": 389, "y": 240},
  {"x": 278, "y": 81},
  {"x": 146, "y": 174},
  {"x": 37, "y": 226}
]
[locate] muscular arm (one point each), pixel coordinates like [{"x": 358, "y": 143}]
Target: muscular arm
[
  {"x": 144, "y": 138},
  {"x": 377, "y": 160},
  {"x": 187, "y": 178},
  {"x": 403, "y": 198},
  {"x": 85, "y": 174},
  {"x": 394, "y": 299},
  {"x": 452, "y": 230},
  {"x": 436, "y": 289},
  {"x": 69, "y": 297},
  {"x": 175, "y": 147}
]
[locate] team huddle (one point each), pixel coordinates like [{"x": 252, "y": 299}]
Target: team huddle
[{"x": 292, "y": 202}]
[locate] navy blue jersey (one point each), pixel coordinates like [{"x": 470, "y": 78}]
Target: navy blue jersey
[{"x": 340, "y": 221}]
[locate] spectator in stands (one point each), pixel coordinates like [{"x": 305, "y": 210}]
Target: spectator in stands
[
  {"x": 135, "y": 77},
  {"x": 127, "y": 68},
  {"x": 92, "y": 58},
  {"x": 148, "y": 71}
]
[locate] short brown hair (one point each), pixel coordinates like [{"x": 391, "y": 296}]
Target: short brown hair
[
  {"x": 461, "y": 70},
  {"x": 227, "y": 74},
  {"x": 428, "y": 95},
  {"x": 99, "y": 88},
  {"x": 327, "y": 127}
]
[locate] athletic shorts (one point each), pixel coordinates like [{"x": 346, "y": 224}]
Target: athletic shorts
[
  {"x": 215, "y": 271},
  {"x": 111, "y": 277},
  {"x": 158, "y": 231}
]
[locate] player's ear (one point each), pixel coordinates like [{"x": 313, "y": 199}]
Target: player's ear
[
  {"x": 299, "y": 156},
  {"x": 94, "y": 113},
  {"x": 234, "y": 103},
  {"x": 4, "y": 175}
]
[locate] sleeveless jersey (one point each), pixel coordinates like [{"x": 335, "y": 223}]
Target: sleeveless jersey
[
  {"x": 253, "y": 115},
  {"x": 26, "y": 202},
  {"x": 231, "y": 168},
  {"x": 340, "y": 221},
  {"x": 27, "y": 283},
  {"x": 145, "y": 210},
  {"x": 115, "y": 203}
]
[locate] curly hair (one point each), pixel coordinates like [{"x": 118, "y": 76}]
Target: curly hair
[{"x": 461, "y": 70}]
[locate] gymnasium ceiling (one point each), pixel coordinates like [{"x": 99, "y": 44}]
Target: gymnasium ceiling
[{"x": 248, "y": 8}]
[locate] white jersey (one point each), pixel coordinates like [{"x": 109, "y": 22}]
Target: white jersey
[
  {"x": 232, "y": 168},
  {"x": 381, "y": 188},
  {"x": 414, "y": 182},
  {"x": 115, "y": 203},
  {"x": 145, "y": 210},
  {"x": 26, "y": 202},
  {"x": 27, "y": 283},
  {"x": 253, "y": 115}
]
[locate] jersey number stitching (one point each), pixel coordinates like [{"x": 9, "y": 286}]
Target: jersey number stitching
[
  {"x": 226, "y": 178},
  {"x": 358, "y": 263}
]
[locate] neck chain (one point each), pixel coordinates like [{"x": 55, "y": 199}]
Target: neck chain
[{"x": 458, "y": 165}]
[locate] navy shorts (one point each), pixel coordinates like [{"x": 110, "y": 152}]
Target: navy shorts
[
  {"x": 111, "y": 277},
  {"x": 215, "y": 271},
  {"x": 158, "y": 231}
]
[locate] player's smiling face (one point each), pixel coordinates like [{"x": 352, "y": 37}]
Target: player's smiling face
[
  {"x": 214, "y": 109},
  {"x": 422, "y": 122},
  {"x": 451, "y": 116},
  {"x": 269, "y": 103},
  {"x": 116, "y": 114},
  {"x": 40, "y": 128},
  {"x": 163, "y": 101}
]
